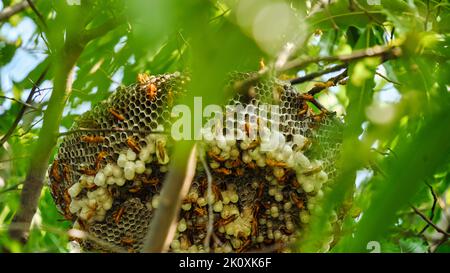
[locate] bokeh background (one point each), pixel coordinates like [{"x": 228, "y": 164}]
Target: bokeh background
[{"x": 394, "y": 165}]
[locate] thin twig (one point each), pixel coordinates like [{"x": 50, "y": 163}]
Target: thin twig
[
  {"x": 432, "y": 208},
  {"x": 31, "y": 127},
  {"x": 24, "y": 107},
  {"x": 387, "y": 79},
  {"x": 220, "y": 15},
  {"x": 39, "y": 15},
  {"x": 425, "y": 218},
  {"x": 20, "y": 102},
  {"x": 210, "y": 228},
  {"x": 314, "y": 75}
]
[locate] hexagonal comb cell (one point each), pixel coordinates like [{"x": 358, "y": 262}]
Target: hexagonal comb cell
[{"x": 108, "y": 173}]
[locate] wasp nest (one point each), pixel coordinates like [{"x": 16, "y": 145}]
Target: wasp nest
[{"x": 109, "y": 170}]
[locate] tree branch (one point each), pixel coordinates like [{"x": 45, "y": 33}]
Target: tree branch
[
  {"x": 66, "y": 60},
  {"x": 29, "y": 198},
  {"x": 176, "y": 185},
  {"x": 385, "y": 52},
  {"x": 7, "y": 12}
]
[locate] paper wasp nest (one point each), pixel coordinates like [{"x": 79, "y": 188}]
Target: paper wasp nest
[{"x": 107, "y": 178}]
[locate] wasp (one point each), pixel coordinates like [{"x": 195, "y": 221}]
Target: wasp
[
  {"x": 67, "y": 201},
  {"x": 223, "y": 222},
  {"x": 55, "y": 171},
  {"x": 66, "y": 173},
  {"x": 113, "y": 191},
  {"x": 200, "y": 226},
  {"x": 118, "y": 215},
  {"x": 67, "y": 198},
  {"x": 100, "y": 157},
  {"x": 216, "y": 157},
  {"x": 255, "y": 211},
  {"x": 251, "y": 165},
  {"x": 274, "y": 163},
  {"x": 116, "y": 114},
  {"x": 92, "y": 139},
  {"x": 319, "y": 117},
  {"x": 161, "y": 154},
  {"x": 127, "y": 241},
  {"x": 295, "y": 184},
  {"x": 297, "y": 201},
  {"x": 152, "y": 91},
  {"x": 324, "y": 85},
  {"x": 90, "y": 214},
  {"x": 131, "y": 142},
  {"x": 235, "y": 163},
  {"x": 88, "y": 171},
  {"x": 254, "y": 144},
  {"x": 135, "y": 189},
  {"x": 200, "y": 211},
  {"x": 260, "y": 191},
  {"x": 152, "y": 181},
  {"x": 143, "y": 78},
  {"x": 307, "y": 97},
  {"x": 303, "y": 109},
  {"x": 224, "y": 171},
  {"x": 91, "y": 187},
  {"x": 282, "y": 180},
  {"x": 216, "y": 191},
  {"x": 247, "y": 128},
  {"x": 286, "y": 231},
  {"x": 55, "y": 189},
  {"x": 313, "y": 170}
]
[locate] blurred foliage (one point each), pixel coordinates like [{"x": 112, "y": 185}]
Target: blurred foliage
[{"x": 396, "y": 112}]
